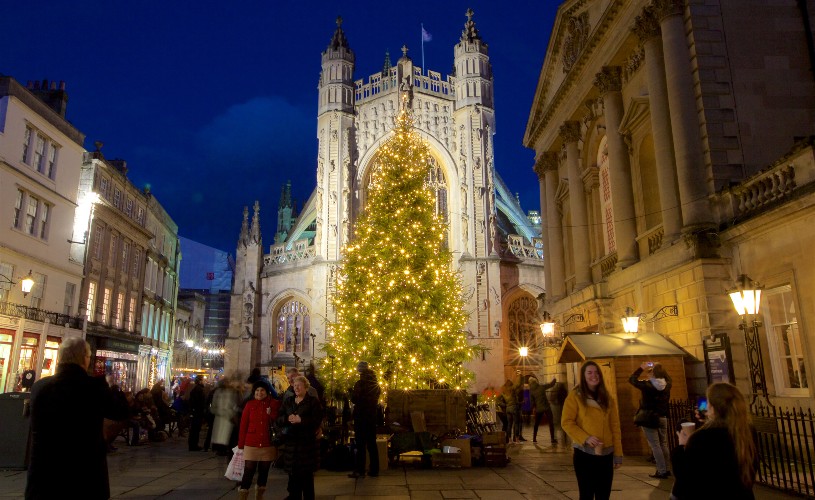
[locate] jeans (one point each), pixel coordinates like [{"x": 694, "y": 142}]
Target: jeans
[
  {"x": 658, "y": 441},
  {"x": 538, "y": 417}
]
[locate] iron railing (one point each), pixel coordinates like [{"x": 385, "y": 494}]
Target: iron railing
[
  {"x": 41, "y": 315},
  {"x": 785, "y": 439}
]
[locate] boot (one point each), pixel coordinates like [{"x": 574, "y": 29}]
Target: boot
[
  {"x": 243, "y": 494},
  {"x": 259, "y": 492}
]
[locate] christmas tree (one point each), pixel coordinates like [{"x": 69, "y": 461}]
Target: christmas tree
[{"x": 398, "y": 302}]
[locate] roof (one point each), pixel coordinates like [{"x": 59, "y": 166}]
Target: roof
[{"x": 578, "y": 348}]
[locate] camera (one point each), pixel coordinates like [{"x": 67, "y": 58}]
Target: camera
[{"x": 649, "y": 364}]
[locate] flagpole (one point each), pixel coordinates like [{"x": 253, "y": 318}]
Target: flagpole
[{"x": 422, "y": 24}]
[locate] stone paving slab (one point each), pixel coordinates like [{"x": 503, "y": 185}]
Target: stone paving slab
[{"x": 168, "y": 471}]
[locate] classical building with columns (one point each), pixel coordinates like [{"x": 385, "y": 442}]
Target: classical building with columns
[
  {"x": 673, "y": 145},
  {"x": 282, "y": 298}
]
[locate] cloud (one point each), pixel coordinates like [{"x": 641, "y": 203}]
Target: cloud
[{"x": 263, "y": 133}]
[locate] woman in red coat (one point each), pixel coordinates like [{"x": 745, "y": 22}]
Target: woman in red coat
[{"x": 255, "y": 440}]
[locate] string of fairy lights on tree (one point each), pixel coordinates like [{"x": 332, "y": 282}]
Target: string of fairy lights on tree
[{"x": 398, "y": 301}]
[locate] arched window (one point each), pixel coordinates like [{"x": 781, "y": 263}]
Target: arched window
[
  {"x": 606, "y": 203},
  {"x": 523, "y": 321},
  {"x": 293, "y": 326},
  {"x": 435, "y": 181}
]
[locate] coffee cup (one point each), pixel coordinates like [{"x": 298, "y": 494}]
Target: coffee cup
[{"x": 688, "y": 427}]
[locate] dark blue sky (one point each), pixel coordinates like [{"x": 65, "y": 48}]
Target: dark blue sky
[{"x": 214, "y": 103}]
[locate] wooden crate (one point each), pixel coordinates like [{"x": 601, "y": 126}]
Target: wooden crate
[
  {"x": 444, "y": 410},
  {"x": 495, "y": 456},
  {"x": 446, "y": 460},
  {"x": 497, "y": 437}
]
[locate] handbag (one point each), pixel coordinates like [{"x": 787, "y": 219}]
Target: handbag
[
  {"x": 646, "y": 418},
  {"x": 234, "y": 471}
]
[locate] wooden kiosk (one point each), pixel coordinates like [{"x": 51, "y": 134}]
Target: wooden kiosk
[{"x": 619, "y": 356}]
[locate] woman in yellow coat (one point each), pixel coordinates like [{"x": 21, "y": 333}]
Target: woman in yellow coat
[{"x": 590, "y": 418}]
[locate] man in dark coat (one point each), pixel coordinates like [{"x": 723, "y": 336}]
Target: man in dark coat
[
  {"x": 68, "y": 452},
  {"x": 365, "y": 397},
  {"x": 540, "y": 401},
  {"x": 198, "y": 404}
]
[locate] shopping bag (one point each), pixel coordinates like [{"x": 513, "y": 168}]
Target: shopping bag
[{"x": 234, "y": 471}]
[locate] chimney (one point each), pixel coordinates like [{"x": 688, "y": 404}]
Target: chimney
[
  {"x": 119, "y": 165},
  {"x": 55, "y": 97}
]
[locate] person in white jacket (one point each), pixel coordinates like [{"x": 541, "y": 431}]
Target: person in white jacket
[{"x": 656, "y": 392}]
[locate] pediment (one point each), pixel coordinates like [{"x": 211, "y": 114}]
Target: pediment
[
  {"x": 636, "y": 112},
  {"x": 574, "y": 36}
]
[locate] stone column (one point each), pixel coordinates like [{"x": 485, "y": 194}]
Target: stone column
[
  {"x": 552, "y": 227},
  {"x": 690, "y": 162},
  {"x": 540, "y": 171},
  {"x": 570, "y": 131},
  {"x": 646, "y": 27},
  {"x": 609, "y": 82}
]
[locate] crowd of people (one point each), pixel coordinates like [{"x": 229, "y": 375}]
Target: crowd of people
[{"x": 267, "y": 424}]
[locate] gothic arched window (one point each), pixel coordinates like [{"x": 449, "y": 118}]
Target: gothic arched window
[
  {"x": 435, "y": 181},
  {"x": 292, "y": 327},
  {"x": 523, "y": 321}
]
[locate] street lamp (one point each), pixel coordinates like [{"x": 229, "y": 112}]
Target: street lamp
[
  {"x": 26, "y": 283},
  {"x": 523, "y": 351},
  {"x": 631, "y": 323},
  {"x": 548, "y": 328},
  {"x": 746, "y": 297}
]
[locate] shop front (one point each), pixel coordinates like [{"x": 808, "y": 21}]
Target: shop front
[
  {"x": 153, "y": 365},
  {"x": 25, "y": 358},
  {"x": 115, "y": 359}
]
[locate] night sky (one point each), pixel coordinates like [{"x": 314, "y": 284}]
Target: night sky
[{"x": 213, "y": 104}]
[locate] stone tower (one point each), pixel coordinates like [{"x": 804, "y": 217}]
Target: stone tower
[
  {"x": 243, "y": 341},
  {"x": 455, "y": 116},
  {"x": 286, "y": 214}
]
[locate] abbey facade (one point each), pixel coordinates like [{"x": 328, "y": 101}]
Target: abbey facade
[{"x": 282, "y": 298}]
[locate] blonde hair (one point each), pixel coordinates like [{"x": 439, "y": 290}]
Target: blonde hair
[{"x": 730, "y": 412}]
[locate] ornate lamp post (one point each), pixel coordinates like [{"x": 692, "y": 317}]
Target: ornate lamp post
[{"x": 746, "y": 297}]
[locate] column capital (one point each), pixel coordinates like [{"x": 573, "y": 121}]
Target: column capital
[
  {"x": 547, "y": 161},
  {"x": 668, "y": 8},
  {"x": 609, "y": 79},
  {"x": 570, "y": 130},
  {"x": 646, "y": 25}
]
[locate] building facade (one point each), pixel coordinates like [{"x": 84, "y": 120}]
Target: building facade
[
  {"x": 160, "y": 294},
  {"x": 111, "y": 239},
  {"x": 282, "y": 298},
  {"x": 40, "y": 162},
  {"x": 206, "y": 272},
  {"x": 189, "y": 333},
  {"x": 672, "y": 152}
]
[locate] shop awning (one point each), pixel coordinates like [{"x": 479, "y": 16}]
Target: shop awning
[{"x": 578, "y": 348}]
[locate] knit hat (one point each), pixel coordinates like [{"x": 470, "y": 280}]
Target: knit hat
[
  {"x": 362, "y": 365},
  {"x": 265, "y": 384}
]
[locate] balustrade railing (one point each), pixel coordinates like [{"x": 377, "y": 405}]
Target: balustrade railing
[
  {"x": 778, "y": 182},
  {"x": 519, "y": 248},
  {"x": 41, "y": 315},
  {"x": 300, "y": 251}
]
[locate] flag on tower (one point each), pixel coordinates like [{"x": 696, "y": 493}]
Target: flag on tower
[{"x": 426, "y": 37}]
